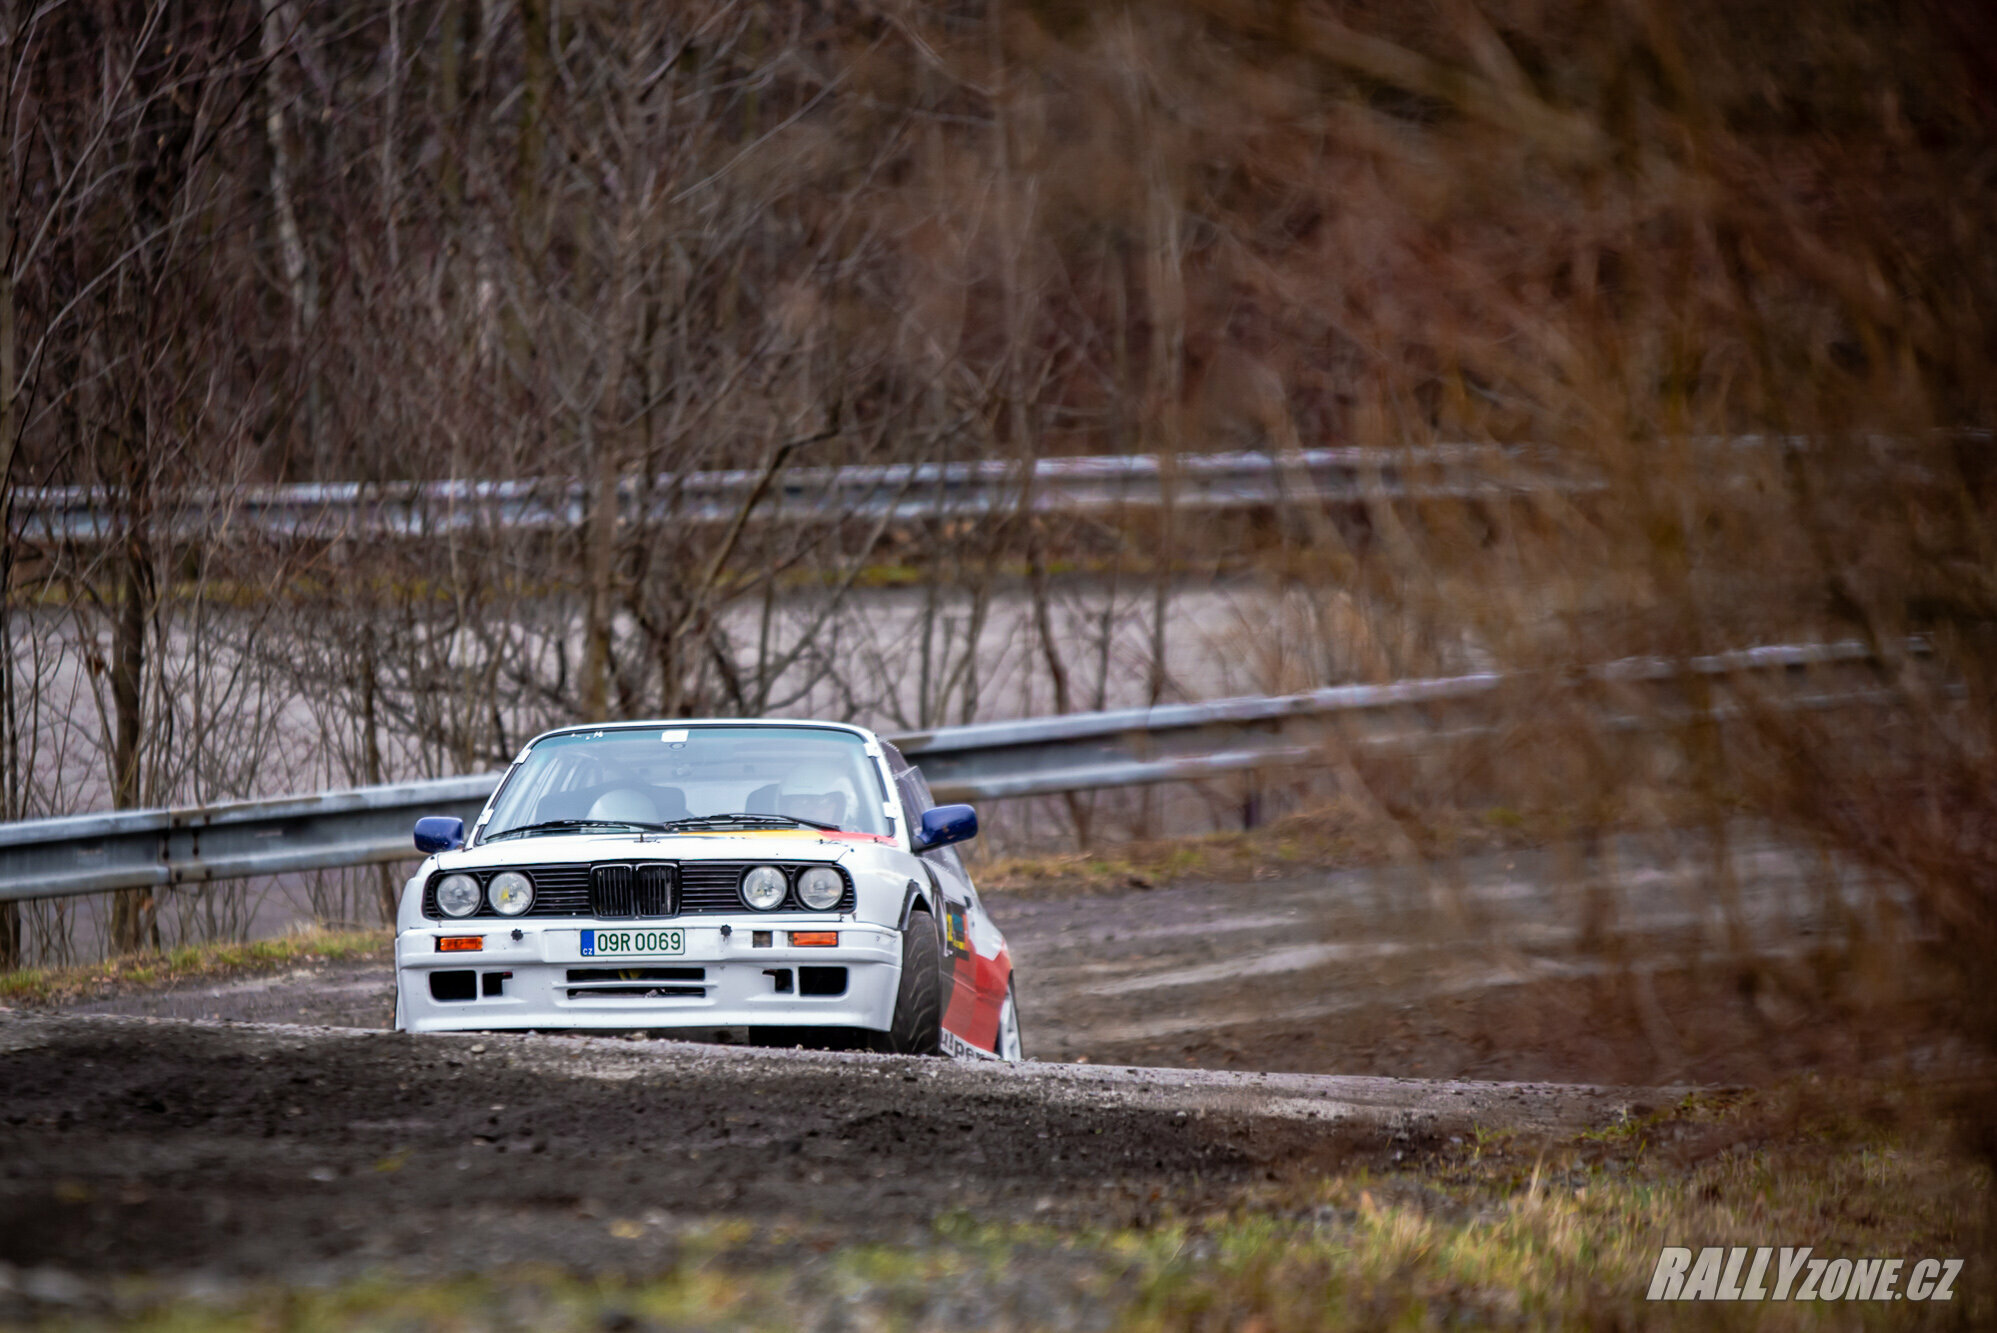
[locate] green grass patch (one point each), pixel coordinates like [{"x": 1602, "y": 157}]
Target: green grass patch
[{"x": 190, "y": 962}]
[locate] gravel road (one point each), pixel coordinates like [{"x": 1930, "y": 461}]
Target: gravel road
[{"x": 270, "y": 1128}]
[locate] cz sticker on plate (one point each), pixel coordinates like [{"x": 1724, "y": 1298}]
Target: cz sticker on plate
[{"x": 598, "y": 943}]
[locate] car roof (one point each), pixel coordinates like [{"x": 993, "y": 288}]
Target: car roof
[{"x": 649, "y": 724}]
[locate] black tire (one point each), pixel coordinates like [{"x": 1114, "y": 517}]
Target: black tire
[{"x": 918, "y": 1001}]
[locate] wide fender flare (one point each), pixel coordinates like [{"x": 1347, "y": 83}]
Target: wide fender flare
[{"x": 913, "y": 897}]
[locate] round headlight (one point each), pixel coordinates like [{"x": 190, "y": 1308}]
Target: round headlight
[
  {"x": 457, "y": 895},
  {"x": 820, "y": 887},
  {"x": 763, "y": 888},
  {"x": 510, "y": 892}
]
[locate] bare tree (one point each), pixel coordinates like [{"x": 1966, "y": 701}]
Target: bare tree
[{"x": 600, "y": 302}]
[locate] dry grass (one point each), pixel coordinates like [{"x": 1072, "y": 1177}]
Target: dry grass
[
  {"x": 1328, "y": 835},
  {"x": 143, "y": 971}
]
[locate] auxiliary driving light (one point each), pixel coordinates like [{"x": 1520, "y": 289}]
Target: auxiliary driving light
[
  {"x": 763, "y": 888},
  {"x": 457, "y": 895},
  {"x": 820, "y": 887},
  {"x": 510, "y": 893}
]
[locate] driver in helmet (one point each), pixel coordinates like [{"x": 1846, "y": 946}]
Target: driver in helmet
[
  {"x": 625, "y": 804},
  {"x": 820, "y": 792}
]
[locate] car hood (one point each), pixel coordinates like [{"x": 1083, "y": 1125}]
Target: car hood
[{"x": 762, "y": 844}]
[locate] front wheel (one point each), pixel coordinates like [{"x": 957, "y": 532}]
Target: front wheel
[
  {"x": 1007, "y": 1046},
  {"x": 917, "y": 1027}
]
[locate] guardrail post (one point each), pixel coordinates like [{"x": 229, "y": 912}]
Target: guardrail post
[{"x": 1251, "y": 802}]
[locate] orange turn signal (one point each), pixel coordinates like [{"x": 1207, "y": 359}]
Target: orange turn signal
[
  {"x": 460, "y": 943},
  {"x": 821, "y": 938}
]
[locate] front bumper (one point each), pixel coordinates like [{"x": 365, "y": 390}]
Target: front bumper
[{"x": 542, "y": 980}]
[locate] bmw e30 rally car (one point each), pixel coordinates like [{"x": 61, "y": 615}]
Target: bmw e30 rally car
[{"x": 791, "y": 878}]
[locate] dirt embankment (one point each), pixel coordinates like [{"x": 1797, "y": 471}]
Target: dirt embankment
[{"x": 167, "y": 1145}]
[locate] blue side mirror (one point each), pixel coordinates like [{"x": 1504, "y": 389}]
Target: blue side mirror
[
  {"x": 439, "y": 833},
  {"x": 944, "y": 825}
]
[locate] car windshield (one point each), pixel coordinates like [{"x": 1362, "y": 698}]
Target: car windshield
[{"x": 653, "y": 776}]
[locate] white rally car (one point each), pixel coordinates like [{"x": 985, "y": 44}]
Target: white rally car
[{"x": 792, "y": 879}]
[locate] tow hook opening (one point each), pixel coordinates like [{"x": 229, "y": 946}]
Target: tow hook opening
[{"x": 821, "y": 981}]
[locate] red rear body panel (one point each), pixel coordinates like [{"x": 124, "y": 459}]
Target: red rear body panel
[{"x": 974, "y": 984}]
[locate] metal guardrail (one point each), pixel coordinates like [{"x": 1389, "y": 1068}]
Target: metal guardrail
[
  {"x": 134, "y": 849},
  {"x": 79, "y": 854},
  {"x": 1187, "y": 742},
  {"x": 900, "y": 491},
  {"x": 1348, "y": 476}
]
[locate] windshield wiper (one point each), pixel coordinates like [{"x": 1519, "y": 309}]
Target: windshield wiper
[
  {"x": 558, "y": 825},
  {"x": 753, "y": 821}
]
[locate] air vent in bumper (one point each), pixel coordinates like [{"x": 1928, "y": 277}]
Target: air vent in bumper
[{"x": 647, "y": 983}]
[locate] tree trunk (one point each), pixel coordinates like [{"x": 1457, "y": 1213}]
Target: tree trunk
[
  {"x": 1166, "y": 294},
  {"x": 371, "y": 753},
  {"x": 134, "y": 912},
  {"x": 10, "y": 746},
  {"x": 606, "y": 458},
  {"x": 280, "y": 29},
  {"x": 533, "y": 107},
  {"x": 601, "y": 559},
  {"x": 450, "y": 76}
]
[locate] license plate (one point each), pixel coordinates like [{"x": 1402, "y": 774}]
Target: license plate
[{"x": 602, "y": 943}]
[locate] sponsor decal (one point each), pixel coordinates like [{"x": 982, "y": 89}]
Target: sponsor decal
[
  {"x": 957, "y": 1047},
  {"x": 955, "y": 931},
  {"x": 1795, "y": 1273}
]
